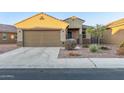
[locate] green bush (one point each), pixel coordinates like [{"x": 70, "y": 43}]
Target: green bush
[
  {"x": 94, "y": 48},
  {"x": 70, "y": 44},
  {"x": 122, "y": 44}
]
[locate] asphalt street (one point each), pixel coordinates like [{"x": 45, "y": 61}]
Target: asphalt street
[{"x": 61, "y": 74}]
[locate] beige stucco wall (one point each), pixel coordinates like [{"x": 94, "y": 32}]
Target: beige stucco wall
[
  {"x": 74, "y": 23},
  {"x": 19, "y": 37},
  {"x": 63, "y": 35},
  {"x": 116, "y": 38},
  {"x": 107, "y": 37}
]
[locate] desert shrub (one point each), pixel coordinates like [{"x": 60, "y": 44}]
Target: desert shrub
[
  {"x": 122, "y": 44},
  {"x": 94, "y": 48},
  {"x": 70, "y": 44}
]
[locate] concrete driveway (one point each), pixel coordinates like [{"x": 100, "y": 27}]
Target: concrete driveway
[
  {"x": 47, "y": 57},
  {"x": 44, "y": 57}
]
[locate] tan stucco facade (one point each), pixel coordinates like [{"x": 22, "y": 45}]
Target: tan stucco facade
[
  {"x": 115, "y": 33},
  {"x": 116, "y": 38},
  {"x": 41, "y": 30}
]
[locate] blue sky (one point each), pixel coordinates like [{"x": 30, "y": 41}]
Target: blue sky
[{"x": 91, "y": 18}]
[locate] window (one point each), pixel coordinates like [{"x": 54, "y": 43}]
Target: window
[
  {"x": 83, "y": 34},
  {"x": 4, "y": 36},
  {"x": 69, "y": 34}
]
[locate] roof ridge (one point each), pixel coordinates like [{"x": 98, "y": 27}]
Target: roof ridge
[{"x": 74, "y": 16}]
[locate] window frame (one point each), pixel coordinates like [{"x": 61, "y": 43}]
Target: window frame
[
  {"x": 4, "y": 36},
  {"x": 84, "y": 34}
]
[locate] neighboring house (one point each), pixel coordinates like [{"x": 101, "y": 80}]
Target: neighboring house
[
  {"x": 115, "y": 33},
  {"x": 44, "y": 30},
  {"x": 8, "y": 34}
]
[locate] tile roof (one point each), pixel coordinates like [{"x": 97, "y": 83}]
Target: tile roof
[
  {"x": 116, "y": 23},
  {"x": 7, "y": 28},
  {"x": 74, "y": 17}
]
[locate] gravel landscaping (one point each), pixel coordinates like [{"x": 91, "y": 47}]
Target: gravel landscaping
[
  {"x": 7, "y": 47},
  {"x": 85, "y": 53}
]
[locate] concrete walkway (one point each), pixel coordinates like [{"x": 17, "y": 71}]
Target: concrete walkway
[{"x": 44, "y": 57}]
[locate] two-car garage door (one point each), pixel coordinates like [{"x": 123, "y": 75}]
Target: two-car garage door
[{"x": 41, "y": 38}]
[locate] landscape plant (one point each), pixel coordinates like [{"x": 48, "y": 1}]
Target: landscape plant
[
  {"x": 96, "y": 31},
  {"x": 94, "y": 48},
  {"x": 70, "y": 44}
]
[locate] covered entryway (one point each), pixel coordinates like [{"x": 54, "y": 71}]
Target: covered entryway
[
  {"x": 73, "y": 33},
  {"x": 41, "y": 38}
]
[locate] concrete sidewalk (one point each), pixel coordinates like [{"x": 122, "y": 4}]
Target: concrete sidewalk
[{"x": 47, "y": 57}]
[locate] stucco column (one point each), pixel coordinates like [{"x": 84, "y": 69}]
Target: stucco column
[
  {"x": 19, "y": 37},
  {"x": 80, "y": 36},
  {"x": 63, "y": 35}
]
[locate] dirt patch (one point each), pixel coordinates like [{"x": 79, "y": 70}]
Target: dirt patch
[
  {"x": 85, "y": 53},
  {"x": 7, "y": 47}
]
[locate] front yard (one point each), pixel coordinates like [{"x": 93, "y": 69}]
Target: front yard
[
  {"x": 7, "y": 47},
  {"x": 86, "y": 53}
]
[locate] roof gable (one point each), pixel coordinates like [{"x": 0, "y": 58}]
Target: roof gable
[
  {"x": 73, "y": 18},
  {"x": 41, "y": 20},
  {"x": 116, "y": 23}
]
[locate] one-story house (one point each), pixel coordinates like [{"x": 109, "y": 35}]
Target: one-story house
[
  {"x": 115, "y": 33},
  {"x": 45, "y": 30},
  {"x": 8, "y": 34}
]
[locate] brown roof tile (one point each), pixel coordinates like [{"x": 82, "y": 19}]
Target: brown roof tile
[{"x": 7, "y": 28}]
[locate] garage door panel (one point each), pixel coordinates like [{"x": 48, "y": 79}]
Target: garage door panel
[{"x": 42, "y": 38}]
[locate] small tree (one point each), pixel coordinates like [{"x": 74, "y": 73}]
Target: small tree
[
  {"x": 100, "y": 29},
  {"x": 96, "y": 31}
]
